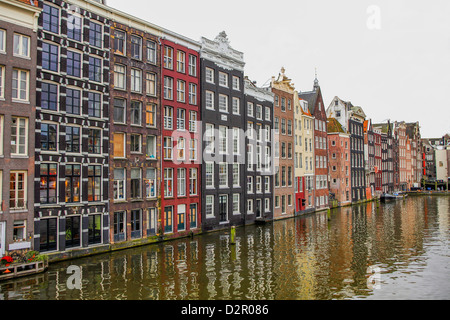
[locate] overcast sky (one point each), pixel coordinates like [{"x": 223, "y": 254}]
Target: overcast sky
[{"x": 392, "y": 58}]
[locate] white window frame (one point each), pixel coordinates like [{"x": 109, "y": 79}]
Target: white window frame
[
  {"x": 19, "y": 84},
  {"x": 20, "y": 48},
  {"x": 120, "y": 184},
  {"x": 209, "y": 100},
  {"x": 209, "y": 165},
  {"x": 181, "y": 182},
  {"x": 236, "y": 203},
  {"x": 16, "y": 141},
  {"x": 209, "y": 204}
]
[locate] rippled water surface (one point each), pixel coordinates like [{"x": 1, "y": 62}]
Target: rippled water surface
[{"x": 406, "y": 244}]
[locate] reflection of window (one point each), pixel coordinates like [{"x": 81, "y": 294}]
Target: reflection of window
[{"x": 17, "y": 189}]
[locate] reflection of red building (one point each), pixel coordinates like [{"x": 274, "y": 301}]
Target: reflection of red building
[{"x": 181, "y": 143}]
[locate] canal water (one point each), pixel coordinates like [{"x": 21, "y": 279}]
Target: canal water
[{"x": 400, "y": 250}]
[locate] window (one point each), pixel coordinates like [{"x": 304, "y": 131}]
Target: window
[
  {"x": 236, "y": 83},
  {"x": 209, "y": 175},
  {"x": 119, "y": 145},
  {"x": 49, "y": 137},
  {"x": 48, "y": 234},
  {"x": 258, "y": 184},
  {"x": 250, "y": 206},
  {"x": 192, "y": 121},
  {"x": 150, "y": 84},
  {"x": 236, "y": 203},
  {"x": 120, "y": 81},
  {"x": 20, "y": 86},
  {"x": 136, "y": 178},
  {"x": 136, "y": 113},
  {"x": 193, "y": 181},
  {"x": 181, "y": 147},
  {"x": 168, "y": 88},
  {"x": 223, "y": 208},
  {"x": 74, "y": 27},
  {"x": 192, "y": 65},
  {"x": 209, "y": 138},
  {"x": 120, "y": 42},
  {"x": 18, "y": 190},
  {"x": 19, "y": 136},
  {"x": 250, "y": 109},
  {"x": 181, "y": 182},
  {"x": 236, "y": 105},
  {"x": 150, "y": 183},
  {"x": 209, "y": 100},
  {"x": 73, "y": 183},
  {"x": 209, "y": 207},
  {"x": 136, "y": 142},
  {"x": 181, "y": 61},
  {"x": 223, "y": 79},
  {"x": 259, "y": 112},
  {"x": 95, "y": 69},
  {"x": 73, "y": 101},
  {"x": 193, "y": 149},
  {"x": 21, "y": 45},
  {"x": 168, "y": 57},
  {"x": 193, "y": 215},
  {"x": 120, "y": 183},
  {"x": 223, "y": 175},
  {"x": 19, "y": 230},
  {"x": 136, "y": 47},
  {"x": 119, "y": 110},
  {"x": 267, "y": 113},
  {"x": 236, "y": 176},
  {"x": 95, "y": 34},
  {"x": 168, "y": 219},
  {"x": 73, "y": 64},
  {"x": 181, "y": 119},
  {"x": 50, "y": 19},
  {"x": 267, "y": 184},
  {"x": 192, "y": 94},
  {"x": 119, "y": 226},
  {"x": 152, "y": 220},
  {"x": 181, "y": 91},
  {"x": 94, "y": 183},
  {"x": 209, "y": 75},
  {"x": 136, "y": 80},
  {"x": 168, "y": 182},
  {"x": 49, "y": 96},
  {"x": 2, "y": 40},
  {"x": 136, "y": 221},
  {"x": 249, "y": 184},
  {"x": 94, "y": 105},
  {"x": 2, "y": 132},
  {"x": 151, "y": 147},
  {"x": 223, "y": 141},
  {"x": 181, "y": 212},
  {"x": 236, "y": 141},
  {"x": 150, "y": 119},
  {"x": 2, "y": 80},
  {"x": 168, "y": 146},
  {"x": 151, "y": 51},
  {"x": 223, "y": 103},
  {"x": 48, "y": 183},
  {"x": 168, "y": 118},
  {"x": 50, "y": 57}
]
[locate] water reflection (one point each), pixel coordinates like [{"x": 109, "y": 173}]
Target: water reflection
[{"x": 309, "y": 257}]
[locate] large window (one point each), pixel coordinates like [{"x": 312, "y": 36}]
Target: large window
[
  {"x": 151, "y": 147},
  {"x": 119, "y": 110},
  {"x": 20, "y": 80},
  {"x": 120, "y": 77},
  {"x": 120, "y": 183},
  {"x": 73, "y": 101},
  {"x": 168, "y": 57},
  {"x": 151, "y": 51},
  {"x": 223, "y": 208},
  {"x": 120, "y": 44},
  {"x": 17, "y": 190},
  {"x": 74, "y": 27},
  {"x": 168, "y": 147},
  {"x": 48, "y": 183},
  {"x": 48, "y": 234},
  {"x": 73, "y": 235},
  {"x": 95, "y": 69},
  {"x": 73, "y": 64},
  {"x": 21, "y": 45},
  {"x": 223, "y": 175},
  {"x": 192, "y": 65},
  {"x": 136, "y": 112},
  {"x": 50, "y": 57},
  {"x": 49, "y": 96},
  {"x": 136, "y": 188},
  {"x": 168, "y": 118},
  {"x": 192, "y": 93},
  {"x": 209, "y": 178},
  {"x": 150, "y": 183},
  {"x": 119, "y": 145},
  {"x": 136, "y": 80},
  {"x": 181, "y": 61},
  {"x": 94, "y": 141},
  {"x": 49, "y": 137},
  {"x": 150, "y": 83},
  {"x": 136, "y": 47},
  {"x": 94, "y": 183},
  {"x": 150, "y": 115},
  {"x": 181, "y": 119},
  {"x": 181, "y": 90},
  {"x": 95, "y": 229},
  {"x": 209, "y": 206},
  {"x": 50, "y": 18},
  {"x": 168, "y": 88},
  {"x": 95, "y": 105},
  {"x": 193, "y": 181},
  {"x": 19, "y": 136},
  {"x": 95, "y": 34},
  {"x": 73, "y": 182},
  {"x": 181, "y": 182},
  {"x": 168, "y": 182}
]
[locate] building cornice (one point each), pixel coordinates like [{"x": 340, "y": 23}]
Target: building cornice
[
  {"x": 220, "y": 52},
  {"x": 11, "y": 15}
]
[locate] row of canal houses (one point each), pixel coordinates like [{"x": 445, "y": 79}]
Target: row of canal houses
[{"x": 116, "y": 132}]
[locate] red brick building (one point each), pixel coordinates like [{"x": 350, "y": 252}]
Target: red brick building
[{"x": 181, "y": 136}]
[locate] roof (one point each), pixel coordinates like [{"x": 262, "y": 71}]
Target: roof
[
  {"x": 333, "y": 126},
  {"x": 311, "y": 98},
  {"x": 33, "y": 3},
  {"x": 383, "y": 126}
]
